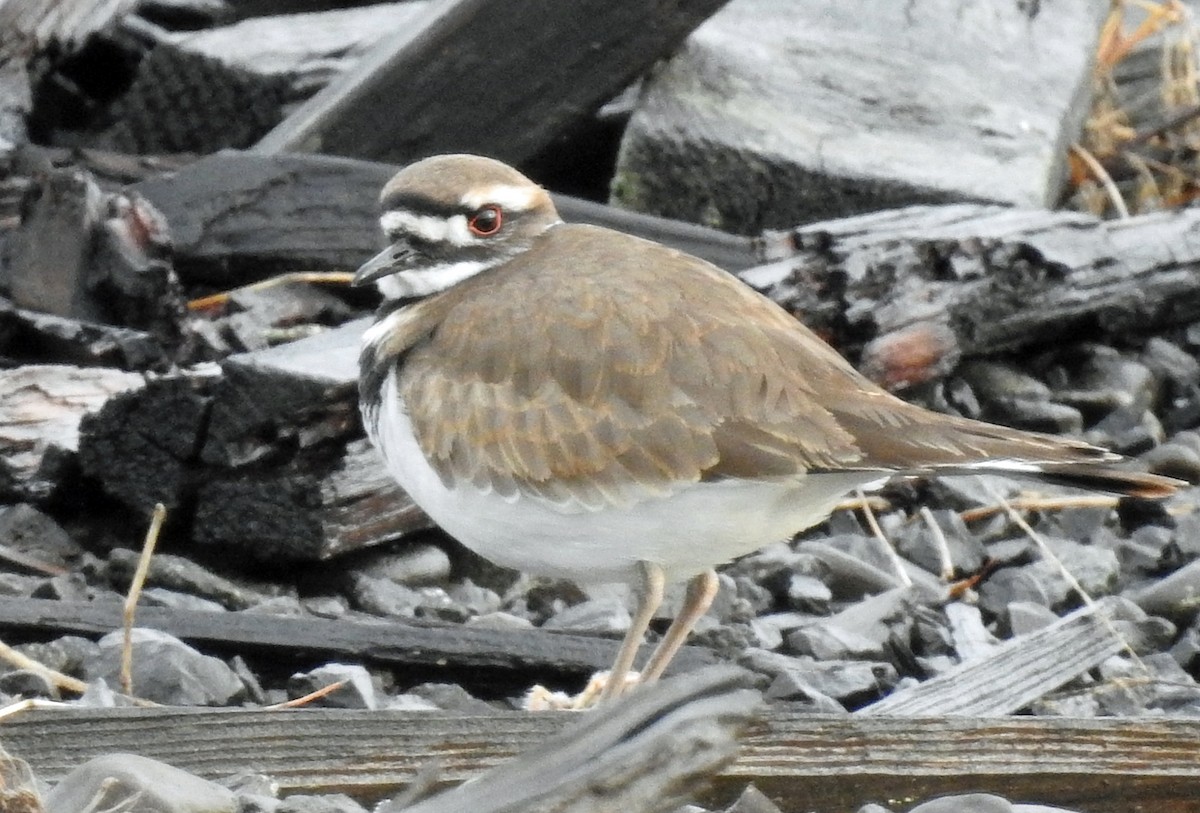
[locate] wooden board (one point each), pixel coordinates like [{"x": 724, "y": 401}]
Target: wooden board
[{"x": 805, "y": 762}]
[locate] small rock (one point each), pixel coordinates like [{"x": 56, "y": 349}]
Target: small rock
[
  {"x": 829, "y": 641},
  {"x": 841, "y": 680},
  {"x": 257, "y": 803},
  {"x": 26, "y": 530},
  {"x": 918, "y": 543},
  {"x": 409, "y": 702},
  {"x": 1171, "y": 362},
  {"x": 387, "y": 598},
  {"x": 16, "y": 584},
  {"x": 765, "y": 636},
  {"x": 499, "y": 620},
  {"x": 131, "y": 782},
  {"x": 1186, "y": 650},
  {"x": 971, "y": 638},
  {"x": 1026, "y": 583},
  {"x": 414, "y": 565},
  {"x": 1130, "y": 431},
  {"x": 166, "y": 670},
  {"x": 1174, "y": 459},
  {"x": 332, "y": 803},
  {"x": 182, "y": 575},
  {"x": 254, "y": 689},
  {"x": 162, "y": 597},
  {"x": 808, "y": 593},
  {"x": 67, "y": 654},
  {"x": 277, "y": 605},
  {"x": 450, "y": 697},
  {"x": 325, "y": 606},
  {"x": 357, "y": 693},
  {"x": 965, "y": 803},
  {"x": 593, "y": 617},
  {"x": 1173, "y": 597},
  {"x": 744, "y": 598},
  {"x": 73, "y": 587},
  {"x": 753, "y": 800},
  {"x": 250, "y": 783},
  {"x": 1025, "y": 617},
  {"x": 27, "y": 683},
  {"x": 1095, "y": 568},
  {"x": 476, "y": 599}
]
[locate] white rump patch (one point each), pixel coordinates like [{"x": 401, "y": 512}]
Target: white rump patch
[
  {"x": 506, "y": 196},
  {"x": 431, "y": 280},
  {"x": 451, "y": 230}
]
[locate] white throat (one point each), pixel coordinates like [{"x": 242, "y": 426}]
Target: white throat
[{"x": 427, "y": 281}]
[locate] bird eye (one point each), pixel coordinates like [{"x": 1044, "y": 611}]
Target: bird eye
[{"x": 486, "y": 221}]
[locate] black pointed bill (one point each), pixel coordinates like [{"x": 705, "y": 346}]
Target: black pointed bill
[{"x": 397, "y": 257}]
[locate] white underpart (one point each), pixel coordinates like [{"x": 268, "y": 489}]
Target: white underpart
[
  {"x": 506, "y": 196},
  {"x": 696, "y": 527},
  {"x": 429, "y": 280},
  {"x": 386, "y": 326},
  {"x": 452, "y": 230}
]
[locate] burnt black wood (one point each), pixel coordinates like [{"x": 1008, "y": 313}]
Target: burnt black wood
[
  {"x": 498, "y": 77},
  {"x": 238, "y": 217}
]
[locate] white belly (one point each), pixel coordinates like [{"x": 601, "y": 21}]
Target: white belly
[{"x": 697, "y": 527}]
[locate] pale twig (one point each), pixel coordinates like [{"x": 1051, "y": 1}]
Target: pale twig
[
  {"x": 135, "y": 592},
  {"x": 939, "y": 541},
  {"x": 1101, "y": 174},
  {"x": 55, "y": 677},
  {"x": 27, "y": 703},
  {"x": 893, "y": 557},
  {"x": 1040, "y": 541},
  {"x": 311, "y": 696},
  {"x": 307, "y": 277},
  {"x": 1041, "y": 504}
]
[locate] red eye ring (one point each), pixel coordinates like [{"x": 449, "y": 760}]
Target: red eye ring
[{"x": 486, "y": 221}]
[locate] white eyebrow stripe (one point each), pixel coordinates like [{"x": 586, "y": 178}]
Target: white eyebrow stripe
[
  {"x": 451, "y": 229},
  {"x": 506, "y": 196}
]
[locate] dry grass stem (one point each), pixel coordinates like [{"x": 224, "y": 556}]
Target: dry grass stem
[
  {"x": 1040, "y": 541},
  {"x": 20, "y": 661},
  {"x": 1103, "y": 178},
  {"x": 1040, "y": 504},
  {"x": 206, "y": 303},
  {"x": 939, "y": 539},
  {"x": 324, "y": 691},
  {"x": 893, "y": 557},
  {"x": 1141, "y": 124},
  {"x": 135, "y": 592}
]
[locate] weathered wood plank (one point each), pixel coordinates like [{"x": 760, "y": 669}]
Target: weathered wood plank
[
  {"x": 238, "y": 217},
  {"x": 827, "y": 764},
  {"x": 474, "y": 656},
  {"x": 912, "y": 291},
  {"x": 41, "y": 407},
  {"x": 501, "y": 77},
  {"x": 1019, "y": 671}
]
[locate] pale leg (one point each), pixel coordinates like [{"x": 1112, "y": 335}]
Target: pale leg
[
  {"x": 701, "y": 591},
  {"x": 650, "y": 596}
]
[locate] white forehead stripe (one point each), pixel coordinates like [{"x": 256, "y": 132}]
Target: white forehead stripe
[
  {"x": 451, "y": 230},
  {"x": 506, "y": 196}
]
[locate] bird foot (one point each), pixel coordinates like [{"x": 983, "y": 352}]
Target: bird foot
[{"x": 539, "y": 698}]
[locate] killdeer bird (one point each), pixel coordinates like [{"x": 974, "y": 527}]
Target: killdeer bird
[{"x": 575, "y": 402}]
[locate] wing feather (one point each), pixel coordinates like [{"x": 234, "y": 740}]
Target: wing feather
[{"x": 593, "y": 389}]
